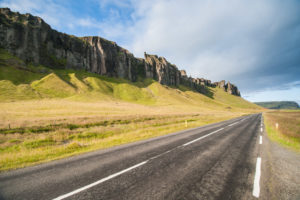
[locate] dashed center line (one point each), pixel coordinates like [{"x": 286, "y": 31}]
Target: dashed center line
[
  {"x": 154, "y": 157},
  {"x": 200, "y": 138},
  {"x": 233, "y": 124},
  {"x": 99, "y": 181}
]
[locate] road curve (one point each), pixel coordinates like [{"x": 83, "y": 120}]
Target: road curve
[{"x": 217, "y": 161}]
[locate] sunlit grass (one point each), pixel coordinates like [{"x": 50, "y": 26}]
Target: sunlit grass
[
  {"x": 19, "y": 150},
  {"x": 288, "y": 131}
]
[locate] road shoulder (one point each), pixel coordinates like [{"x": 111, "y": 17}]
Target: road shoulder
[{"x": 280, "y": 172}]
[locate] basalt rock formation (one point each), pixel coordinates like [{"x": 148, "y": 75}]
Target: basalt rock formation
[
  {"x": 160, "y": 69},
  {"x": 228, "y": 87},
  {"x": 34, "y": 41}
]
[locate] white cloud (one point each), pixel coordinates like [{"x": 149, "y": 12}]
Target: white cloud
[
  {"x": 117, "y": 3},
  {"x": 53, "y": 13},
  {"x": 86, "y": 22},
  {"x": 22, "y": 6},
  {"x": 240, "y": 41}
]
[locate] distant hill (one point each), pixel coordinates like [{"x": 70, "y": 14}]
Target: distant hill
[{"x": 278, "y": 104}]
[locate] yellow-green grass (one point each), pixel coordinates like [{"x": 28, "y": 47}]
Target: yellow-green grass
[
  {"x": 288, "y": 131},
  {"x": 40, "y": 144},
  {"x": 48, "y": 114}
]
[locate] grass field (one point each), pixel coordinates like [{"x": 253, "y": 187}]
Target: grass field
[
  {"x": 288, "y": 131},
  {"x": 48, "y": 114}
]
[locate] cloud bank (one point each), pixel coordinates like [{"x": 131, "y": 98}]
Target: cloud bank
[{"x": 255, "y": 44}]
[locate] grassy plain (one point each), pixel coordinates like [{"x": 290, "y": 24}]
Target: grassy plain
[
  {"x": 49, "y": 114},
  {"x": 288, "y": 131}
]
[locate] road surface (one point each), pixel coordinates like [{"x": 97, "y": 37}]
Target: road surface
[{"x": 217, "y": 161}]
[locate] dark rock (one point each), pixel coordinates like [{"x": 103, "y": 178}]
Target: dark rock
[
  {"x": 228, "y": 87},
  {"x": 183, "y": 73},
  {"x": 161, "y": 70},
  {"x": 232, "y": 89},
  {"x": 222, "y": 85}
]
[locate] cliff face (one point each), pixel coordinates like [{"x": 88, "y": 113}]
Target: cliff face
[
  {"x": 31, "y": 39},
  {"x": 107, "y": 58},
  {"x": 161, "y": 70},
  {"x": 228, "y": 87}
]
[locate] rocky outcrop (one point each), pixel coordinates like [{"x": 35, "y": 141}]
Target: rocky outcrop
[
  {"x": 232, "y": 89},
  {"x": 107, "y": 58},
  {"x": 31, "y": 39},
  {"x": 205, "y": 82},
  {"x": 183, "y": 73},
  {"x": 228, "y": 87},
  {"x": 160, "y": 69}
]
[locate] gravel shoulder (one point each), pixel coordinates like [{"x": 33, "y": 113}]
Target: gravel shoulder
[{"x": 280, "y": 172}]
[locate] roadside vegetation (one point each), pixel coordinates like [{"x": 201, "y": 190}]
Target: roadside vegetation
[
  {"x": 288, "y": 131},
  {"x": 21, "y": 147},
  {"x": 49, "y": 114}
]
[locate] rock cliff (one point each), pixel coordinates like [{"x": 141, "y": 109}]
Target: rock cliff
[
  {"x": 31, "y": 39},
  {"x": 228, "y": 87},
  {"x": 161, "y": 70}
]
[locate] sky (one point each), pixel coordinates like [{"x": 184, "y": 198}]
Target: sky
[{"x": 253, "y": 44}]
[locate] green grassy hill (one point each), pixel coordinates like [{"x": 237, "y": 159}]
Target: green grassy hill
[{"x": 26, "y": 82}]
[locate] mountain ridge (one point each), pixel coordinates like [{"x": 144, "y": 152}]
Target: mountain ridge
[
  {"x": 278, "y": 104},
  {"x": 34, "y": 41}
]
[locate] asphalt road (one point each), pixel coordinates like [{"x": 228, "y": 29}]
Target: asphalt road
[{"x": 218, "y": 161}]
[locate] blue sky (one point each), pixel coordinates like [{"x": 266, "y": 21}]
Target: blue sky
[{"x": 253, "y": 44}]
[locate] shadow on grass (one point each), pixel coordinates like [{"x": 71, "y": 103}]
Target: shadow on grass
[{"x": 207, "y": 91}]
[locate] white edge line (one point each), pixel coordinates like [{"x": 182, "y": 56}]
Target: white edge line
[
  {"x": 260, "y": 139},
  {"x": 261, "y": 129},
  {"x": 256, "y": 188},
  {"x": 200, "y": 138},
  {"x": 99, "y": 181}
]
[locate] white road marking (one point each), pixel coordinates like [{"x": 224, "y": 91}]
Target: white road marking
[
  {"x": 200, "y": 138},
  {"x": 256, "y": 187},
  {"x": 261, "y": 129},
  {"x": 130, "y": 168},
  {"x": 260, "y": 139},
  {"x": 163, "y": 153},
  {"x": 99, "y": 181},
  {"x": 233, "y": 124}
]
